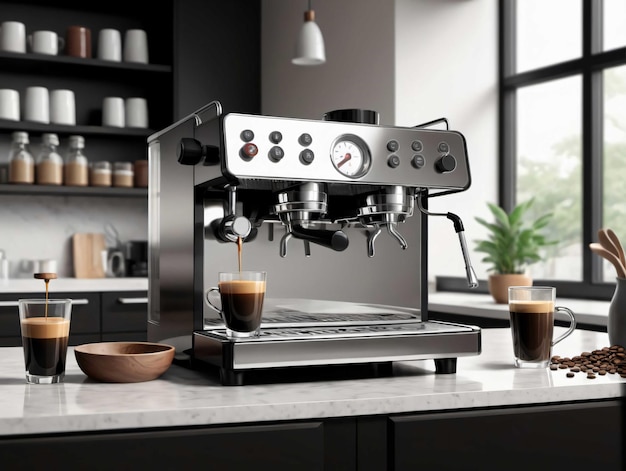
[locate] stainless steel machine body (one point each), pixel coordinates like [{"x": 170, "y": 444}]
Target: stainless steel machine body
[{"x": 329, "y": 210}]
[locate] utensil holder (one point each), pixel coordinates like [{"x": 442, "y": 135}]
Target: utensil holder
[{"x": 617, "y": 314}]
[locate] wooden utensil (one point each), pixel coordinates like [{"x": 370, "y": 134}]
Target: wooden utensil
[
  {"x": 610, "y": 256},
  {"x": 607, "y": 242},
  {"x": 620, "y": 249}
]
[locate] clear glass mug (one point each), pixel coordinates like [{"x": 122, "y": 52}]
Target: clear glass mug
[
  {"x": 531, "y": 310},
  {"x": 241, "y": 297}
]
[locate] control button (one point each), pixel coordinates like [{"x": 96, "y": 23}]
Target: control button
[
  {"x": 418, "y": 161},
  {"x": 275, "y": 137},
  {"x": 249, "y": 150},
  {"x": 305, "y": 139},
  {"x": 307, "y": 156},
  {"x": 393, "y": 146},
  {"x": 417, "y": 146},
  {"x": 393, "y": 161},
  {"x": 446, "y": 164},
  {"x": 247, "y": 135},
  {"x": 443, "y": 147},
  {"x": 276, "y": 153}
]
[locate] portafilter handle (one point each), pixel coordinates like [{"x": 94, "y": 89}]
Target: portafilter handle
[{"x": 336, "y": 240}]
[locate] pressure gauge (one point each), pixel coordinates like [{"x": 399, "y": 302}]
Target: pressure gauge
[{"x": 350, "y": 156}]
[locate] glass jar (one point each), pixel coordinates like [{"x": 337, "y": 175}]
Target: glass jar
[
  {"x": 76, "y": 168},
  {"x": 21, "y": 161},
  {"x": 123, "y": 175},
  {"x": 49, "y": 167},
  {"x": 141, "y": 173},
  {"x": 100, "y": 174}
]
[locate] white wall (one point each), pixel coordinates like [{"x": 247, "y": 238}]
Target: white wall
[{"x": 411, "y": 60}]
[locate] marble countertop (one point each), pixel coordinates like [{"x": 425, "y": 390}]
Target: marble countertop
[
  {"x": 74, "y": 285},
  {"x": 589, "y": 312},
  {"x": 183, "y": 397}
]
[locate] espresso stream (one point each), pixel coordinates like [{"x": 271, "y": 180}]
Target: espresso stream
[{"x": 239, "y": 250}]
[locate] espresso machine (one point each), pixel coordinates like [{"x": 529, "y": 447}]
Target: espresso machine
[{"x": 335, "y": 210}]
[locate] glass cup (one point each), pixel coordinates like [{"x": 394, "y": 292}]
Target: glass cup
[
  {"x": 45, "y": 326},
  {"x": 241, "y": 295},
  {"x": 531, "y": 310}
]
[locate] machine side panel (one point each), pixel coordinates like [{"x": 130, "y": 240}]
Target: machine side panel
[{"x": 171, "y": 248}]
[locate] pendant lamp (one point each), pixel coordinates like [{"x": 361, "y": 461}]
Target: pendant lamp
[{"x": 310, "y": 44}]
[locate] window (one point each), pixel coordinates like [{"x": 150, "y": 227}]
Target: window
[{"x": 563, "y": 129}]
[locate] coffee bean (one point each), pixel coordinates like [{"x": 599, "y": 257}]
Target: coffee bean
[{"x": 603, "y": 360}]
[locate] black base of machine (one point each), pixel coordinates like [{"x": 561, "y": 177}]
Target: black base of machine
[{"x": 229, "y": 377}]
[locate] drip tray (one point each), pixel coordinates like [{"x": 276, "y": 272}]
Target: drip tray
[{"x": 281, "y": 347}]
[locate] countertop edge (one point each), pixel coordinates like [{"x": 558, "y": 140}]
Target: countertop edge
[{"x": 16, "y": 286}]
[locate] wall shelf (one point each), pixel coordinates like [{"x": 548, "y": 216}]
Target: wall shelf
[{"x": 48, "y": 190}]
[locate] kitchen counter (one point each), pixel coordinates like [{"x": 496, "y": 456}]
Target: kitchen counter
[
  {"x": 183, "y": 397},
  {"x": 74, "y": 285}
]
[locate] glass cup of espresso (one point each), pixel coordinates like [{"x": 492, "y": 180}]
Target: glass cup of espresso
[
  {"x": 531, "y": 310},
  {"x": 45, "y": 326},
  {"x": 241, "y": 296}
]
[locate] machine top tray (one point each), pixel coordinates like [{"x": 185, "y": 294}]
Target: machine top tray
[
  {"x": 299, "y": 313},
  {"x": 344, "y": 332}
]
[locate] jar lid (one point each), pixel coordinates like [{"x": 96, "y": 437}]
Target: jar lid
[
  {"x": 101, "y": 165},
  {"x": 50, "y": 138},
  {"x": 21, "y": 137},
  {"x": 125, "y": 166},
  {"x": 77, "y": 141}
]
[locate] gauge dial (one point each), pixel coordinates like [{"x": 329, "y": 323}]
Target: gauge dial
[{"x": 350, "y": 156}]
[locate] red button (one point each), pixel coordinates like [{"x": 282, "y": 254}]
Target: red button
[{"x": 249, "y": 150}]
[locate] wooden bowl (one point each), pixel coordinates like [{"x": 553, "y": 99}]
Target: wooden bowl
[{"x": 124, "y": 362}]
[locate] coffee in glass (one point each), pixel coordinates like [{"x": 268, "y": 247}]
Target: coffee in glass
[
  {"x": 241, "y": 296},
  {"x": 531, "y": 310},
  {"x": 45, "y": 326}
]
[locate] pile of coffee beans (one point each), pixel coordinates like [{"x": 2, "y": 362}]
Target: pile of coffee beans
[{"x": 610, "y": 360}]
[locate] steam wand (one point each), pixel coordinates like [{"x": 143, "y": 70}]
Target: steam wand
[{"x": 472, "y": 280}]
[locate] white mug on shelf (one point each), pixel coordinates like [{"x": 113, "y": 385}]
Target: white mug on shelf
[
  {"x": 9, "y": 104},
  {"x": 136, "y": 46},
  {"x": 13, "y": 36},
  {"x": 62, "y": 107},
  {"x": 136, "y": 112},
  {"x": 37, "y": 105},
  {"x": 45, "y": 42},
  {"x": 110, "y": 45},
  {"x": 113, "y": 112}
]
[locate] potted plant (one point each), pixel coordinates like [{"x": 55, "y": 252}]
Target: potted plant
[{"x": 512, "y": 245}]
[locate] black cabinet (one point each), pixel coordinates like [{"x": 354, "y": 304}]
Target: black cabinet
[
  {"x": 575, "y": 436},
  {"x": 124, "y": 316},
  {"x": 298, "y": 446},
  {"x": 564, "y": 436}
]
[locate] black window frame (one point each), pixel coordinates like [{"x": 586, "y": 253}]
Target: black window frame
[{"x": 589, "y": 66}]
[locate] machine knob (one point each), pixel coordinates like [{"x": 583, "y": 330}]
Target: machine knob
[
  {"x": 445, "y": 164},
  {"x": 191, "y": 152}
]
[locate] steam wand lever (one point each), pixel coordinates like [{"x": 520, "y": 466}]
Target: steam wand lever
[{"x": 472, "y": 280}]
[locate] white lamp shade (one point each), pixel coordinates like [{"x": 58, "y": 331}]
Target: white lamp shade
[{"x": 310, "y": 45}]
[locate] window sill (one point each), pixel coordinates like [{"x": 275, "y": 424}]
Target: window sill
[{"x": 587, "y": 312}]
